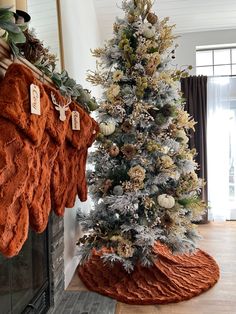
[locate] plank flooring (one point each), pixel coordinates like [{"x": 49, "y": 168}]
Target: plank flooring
[
  {"x": 84, "y": 302},
  {"x": 219, "y": 240}
]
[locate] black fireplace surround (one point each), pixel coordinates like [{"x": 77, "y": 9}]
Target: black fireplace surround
[{"x": 33, "y": 281}]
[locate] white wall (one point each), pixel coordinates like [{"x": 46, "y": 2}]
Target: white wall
[
  {"x": 44, "y": 22},
  {"x": 186, "y": 53},
  {"x": 80, "y": 34}
]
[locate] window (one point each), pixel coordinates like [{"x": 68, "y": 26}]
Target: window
[{"x": 216, "y": 61}]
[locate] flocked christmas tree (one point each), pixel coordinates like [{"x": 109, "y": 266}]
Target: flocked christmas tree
[{"x": 144, "y": 183}]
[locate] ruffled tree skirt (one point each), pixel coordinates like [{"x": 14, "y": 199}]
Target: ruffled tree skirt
[{"x": 173, "y": 278}]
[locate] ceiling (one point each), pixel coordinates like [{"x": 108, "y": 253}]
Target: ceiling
[{"x": 188, "y": 15}]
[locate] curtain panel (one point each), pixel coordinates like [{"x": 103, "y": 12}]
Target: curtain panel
[{"x": 194, "y": 89}]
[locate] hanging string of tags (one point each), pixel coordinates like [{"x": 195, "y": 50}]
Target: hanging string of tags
[{"x": 61, "y": 107}]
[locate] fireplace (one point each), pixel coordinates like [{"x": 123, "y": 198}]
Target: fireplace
[{"x": 33, "y": 281}]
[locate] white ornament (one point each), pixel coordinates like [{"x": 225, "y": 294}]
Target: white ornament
[
  {"x": 107, "y": 128},
  {"x": 117, "y": 216},
  {"x": 166, "y": 201},
  {"x": 165, "y": 149},
  {"x": 148, "y": 30},
  {"x": 182, "y": 135},
  {"x": 137, "y": 25},
  {"x": 175, "y": 175},
  {"x": 136, "y": 206}
]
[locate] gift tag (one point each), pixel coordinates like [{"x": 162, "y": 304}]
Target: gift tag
[
  {"x": 75, "y": 121},
  {"x": 35, "y": 99},
  {"x": 62, "y": 108}
]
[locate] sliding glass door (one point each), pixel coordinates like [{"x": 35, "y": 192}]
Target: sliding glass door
[
  {"x": 232, "y": 158},
  {"x": 221, "y": 147}
]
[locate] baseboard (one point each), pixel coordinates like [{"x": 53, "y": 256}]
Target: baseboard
[{"x": 70, "y": 270}]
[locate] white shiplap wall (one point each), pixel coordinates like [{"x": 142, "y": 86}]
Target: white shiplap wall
[
  {"x": 188, "y": 15},
  {"x": 80, "y": 34},
  {"x": 44, "y": 20}
]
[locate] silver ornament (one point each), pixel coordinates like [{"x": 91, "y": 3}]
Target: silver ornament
[
  {"x": 118, "y": 190},
  {"x": 154, "y": 189},
  {"x": 117, "y": 216}
]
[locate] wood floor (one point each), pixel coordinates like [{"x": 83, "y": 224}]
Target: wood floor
[{"x": 219, "y": 240}]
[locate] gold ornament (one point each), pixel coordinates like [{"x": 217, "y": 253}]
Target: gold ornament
[
  {"x": 153, "y": 62},
  {"x": 125, "y": 249},
  {"x": 117, "y": 75},
  {"x": 137, "y": 173},
  {"x": 188, "y": 183},
  {"x": 129, "y": 151},
  {"x": 148, "y": 202},
  {"x": 113, "y": 92},
  {"x": 165, "y": 162},
  {"x": 132, "y": 18}
]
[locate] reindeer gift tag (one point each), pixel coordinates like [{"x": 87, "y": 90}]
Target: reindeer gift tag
[{"x": 62, "y": 108}]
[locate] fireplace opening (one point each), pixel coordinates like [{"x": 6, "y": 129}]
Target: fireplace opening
[{"x": 25, "y": 279}]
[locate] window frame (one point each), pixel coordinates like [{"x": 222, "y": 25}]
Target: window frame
[{"x": 213, "y": 65}]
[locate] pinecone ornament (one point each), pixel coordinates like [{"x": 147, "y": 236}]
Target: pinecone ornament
[
  {"x": 152, "y": 18},
  {"x": 32, "y": 49}
]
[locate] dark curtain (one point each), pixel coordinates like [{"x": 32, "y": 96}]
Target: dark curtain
[{"x": 194, "y": 89}]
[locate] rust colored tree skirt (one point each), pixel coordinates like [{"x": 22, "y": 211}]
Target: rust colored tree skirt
[{"x": 173, "y": 278}]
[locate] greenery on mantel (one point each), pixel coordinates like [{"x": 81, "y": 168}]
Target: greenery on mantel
[
  {"x": 24, "y": 43},
  {"x": 11, "y": 32}
]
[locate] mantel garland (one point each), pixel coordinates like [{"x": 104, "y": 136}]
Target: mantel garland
[{"x": 24, "y": 42}]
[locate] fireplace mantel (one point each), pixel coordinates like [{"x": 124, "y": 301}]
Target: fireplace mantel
[{"x": 6, "y": 59}]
